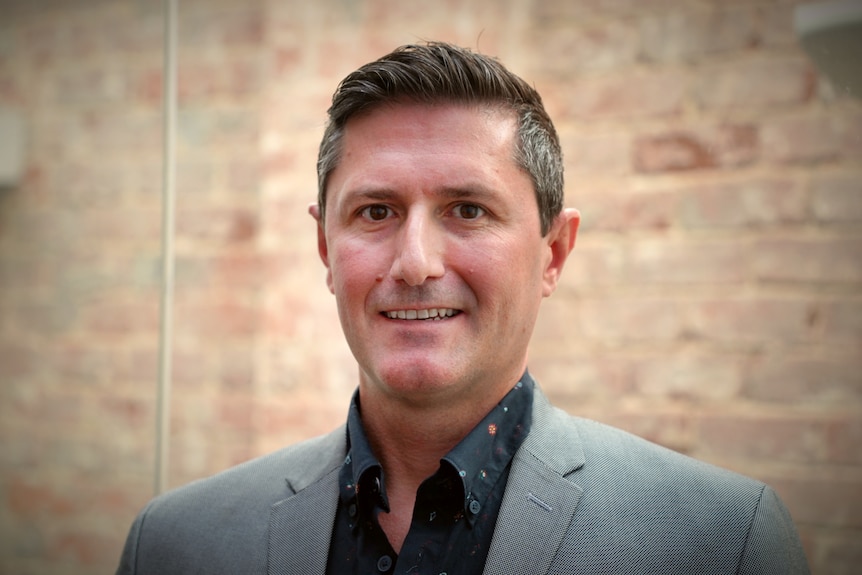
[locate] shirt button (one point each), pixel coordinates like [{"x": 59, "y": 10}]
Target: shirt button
[
  {"x": 475, "y": 506},
  {"x": 352, "y": 510},
  {"x": 384, "y": 563}
]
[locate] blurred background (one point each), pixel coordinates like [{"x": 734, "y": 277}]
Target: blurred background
[{"x": 713, "y": 303}]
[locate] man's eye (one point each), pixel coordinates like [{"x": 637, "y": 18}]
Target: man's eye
[
  {"x": 468, "y": 211},
  {"x": 376, "y": 212}
]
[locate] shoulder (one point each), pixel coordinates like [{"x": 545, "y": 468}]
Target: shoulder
[
  {"x": 616, "y": 457},
  {"x": 270, "y": 477},
  {"x": 222, "y": 520},
  {"x": 598, "y": 452},
  {"x": 673, "y": 512}
]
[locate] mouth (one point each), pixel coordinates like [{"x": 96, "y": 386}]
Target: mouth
[{"x": 430, "y": 314}]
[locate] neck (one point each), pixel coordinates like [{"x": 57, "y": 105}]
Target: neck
[
  {"x": 409, "y": 441},
  {"x": 409, "y": 436}
]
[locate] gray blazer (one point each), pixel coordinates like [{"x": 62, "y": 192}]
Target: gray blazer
[{"x": 582, "y": 498}]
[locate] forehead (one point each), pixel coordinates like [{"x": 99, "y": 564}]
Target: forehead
[{"x": 427, "y": 140}]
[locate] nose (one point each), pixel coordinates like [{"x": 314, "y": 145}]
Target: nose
[{"x": 418, "y": 255}]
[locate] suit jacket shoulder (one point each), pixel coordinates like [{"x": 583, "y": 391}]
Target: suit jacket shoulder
[
  {"x": 221, "y": 524},
  {"x": 584, "y": 497}
]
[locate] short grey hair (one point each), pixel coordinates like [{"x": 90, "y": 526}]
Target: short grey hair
[{"x": 438, "y": 72}]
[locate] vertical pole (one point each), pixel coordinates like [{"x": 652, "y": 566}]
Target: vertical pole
[{"x": 163, "y": 408}]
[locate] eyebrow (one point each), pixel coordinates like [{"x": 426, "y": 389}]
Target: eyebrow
[{"x": 470, "y": 191}]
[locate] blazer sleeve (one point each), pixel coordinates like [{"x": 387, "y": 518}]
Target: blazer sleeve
[
  {"x": 128, "y": 559},
  {"x": 772, "y": 546}
]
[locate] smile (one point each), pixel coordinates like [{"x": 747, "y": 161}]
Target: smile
[{"x": 432, "y": 314}]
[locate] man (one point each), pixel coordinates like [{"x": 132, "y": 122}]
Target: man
[{"x": 441, "y": 226}]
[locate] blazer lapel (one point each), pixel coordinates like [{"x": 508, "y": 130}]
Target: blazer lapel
[
  {"x": 539, "y": 501},
  {"x": 300, "y": 526}
]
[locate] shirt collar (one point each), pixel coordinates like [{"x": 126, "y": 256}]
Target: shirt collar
[
  {"x": 478, "y": 460},
  {"x": 481, "y": 458},
  {"x": 361, "y": 477}
]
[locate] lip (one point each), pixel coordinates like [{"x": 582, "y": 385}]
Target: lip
[{"x": 421, "y": 314}]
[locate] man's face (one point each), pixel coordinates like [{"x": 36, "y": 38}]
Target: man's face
[{"x": 434, "y": 252}]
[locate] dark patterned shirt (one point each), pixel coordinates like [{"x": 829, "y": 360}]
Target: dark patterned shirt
[{"x": 456, "y": 508}]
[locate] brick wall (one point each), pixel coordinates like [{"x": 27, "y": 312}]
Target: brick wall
[{"x": 713, "y": 303}]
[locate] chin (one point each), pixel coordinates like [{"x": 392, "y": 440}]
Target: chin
[{"x": 417, "y": 379}]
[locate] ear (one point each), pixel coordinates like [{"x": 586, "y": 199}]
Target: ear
[
  {"x": 561, "y": 240},
  {"x": 322, "y": 248}
]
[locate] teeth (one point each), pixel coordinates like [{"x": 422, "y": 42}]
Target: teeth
[{"x": 433, "y": 313}]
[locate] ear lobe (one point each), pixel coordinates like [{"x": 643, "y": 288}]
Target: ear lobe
[
  {"x": 322, "y": 248},
  {"x": 561, "y": 241}
]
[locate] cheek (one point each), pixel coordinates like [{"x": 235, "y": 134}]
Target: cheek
[{"x": 353, "y": 269}]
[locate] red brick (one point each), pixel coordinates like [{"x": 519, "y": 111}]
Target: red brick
[
  {"x": 579, "y": 377},
  {"x": 29, "y": 499},
  {"x": 300, "y": 417},
  {"x": 134, "y": 226},
  {"x": 670, "y": 427},
  {"x": 555, "y": 11},
  {"x": 821, "y": 501},
  {"x": 137, "y": 363},
  {"x": 744, "y": 203},
  {"x": 790, "y": 378},
  {"x": 235, "y": 372},
  {"x": 696, "y": 149},
  {"x": 222, "y": 79},
  {"x": 624, "y": 211},
  {"x": 588, "y": 153},
  {"x": 818, "y": 260},
  {"x": 690, "y": 34},
  {"x": 222, "y": 24},
  {"x": 596, "y": 263},
  {"x": 591, "y": 45},
  {"x": 789, "y": 439},
  {"x": 84, "y": 549},
  {"x": 80, "y": 363},
  {"x": 109, "y": 129},
  {"x": 127, "y": 411},
  {"x": 226, "y": 127},
  {"x": 630, "y": 319},
  {"x": 837, "y": 198},
  {"x": 689, "y": 376},
  {"x": 657, "y": 93},
  {"x": 122, "y": 318},
  {"x": 236, "y": 415},
  {"x": 244, "y": 174},
  {"x": 776, "y": 27},
  {"x": 756, "y": 320},
  {"x": 239, "y": 271},
  {"x": 227, "y": 226},
  {"x": 836, "y": 552},
  {"x": 802, "y": 138},
  {"x": 221, "y": 317},
  {"x": 18, "y": 362},
  {"x": 41, "y": 319},
  {"x": 696, "y": 261},
  {"x": 755, "y": 84},
  {"x": 100, "y": 85},
  {"x": 843, "y": 322},
  {"x": 82, "y": 185}
]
